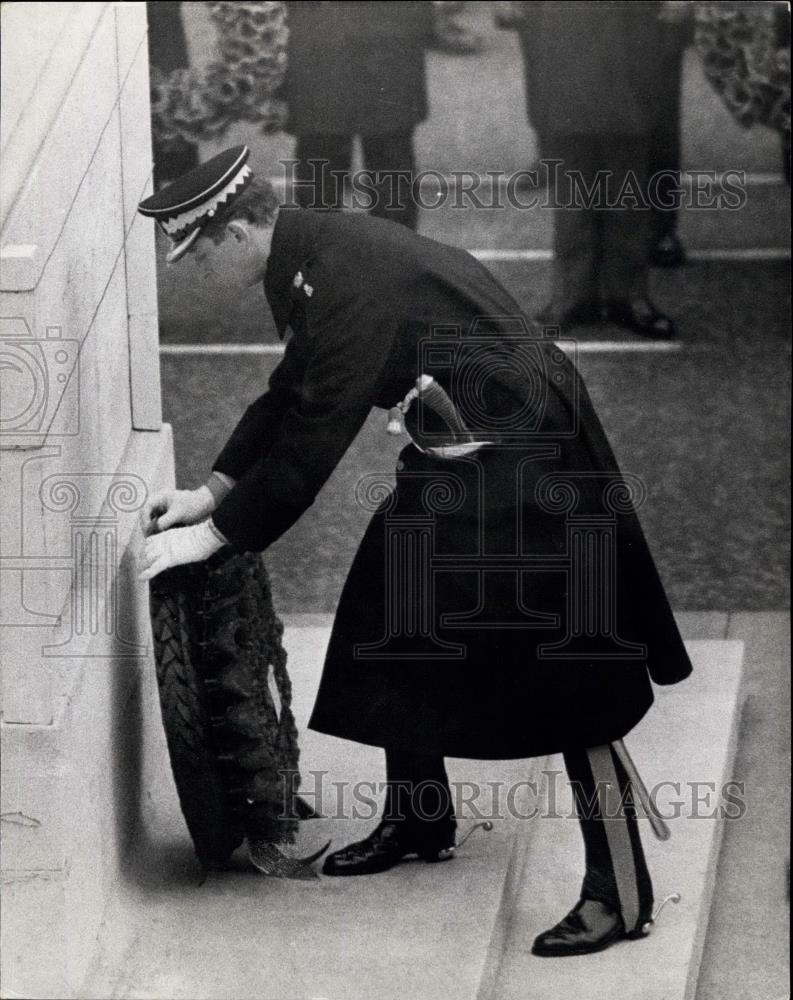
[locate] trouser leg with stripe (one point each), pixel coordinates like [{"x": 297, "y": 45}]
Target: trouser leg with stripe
[{"x": 616, "y": 870}]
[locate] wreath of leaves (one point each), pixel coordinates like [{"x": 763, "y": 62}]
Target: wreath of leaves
[
  {"x": 192, "y": 104},
  {"x": 747, "y": 61},
  {"x": 220, "y": 658}
]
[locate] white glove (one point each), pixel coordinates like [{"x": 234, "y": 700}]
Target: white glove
[
  {"x": 172, "y": 507},
  {"x": 179, "y": 546}
]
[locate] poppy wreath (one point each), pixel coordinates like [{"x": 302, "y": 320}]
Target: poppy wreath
[
  {"x": 746, "y": 57},
  {"x": 189, "y": 104},
  {"x": 225, "y": 696}
]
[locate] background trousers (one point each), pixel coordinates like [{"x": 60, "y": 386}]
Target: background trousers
[
  {"x": 389, "y": 158},
  {"x": 602, "y": 248},
  {"x": 664, "y": 148}
]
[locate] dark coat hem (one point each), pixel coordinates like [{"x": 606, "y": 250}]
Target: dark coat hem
[{"x": 358, "y": 733}]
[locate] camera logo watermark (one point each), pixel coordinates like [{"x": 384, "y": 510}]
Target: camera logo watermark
[
  {"x": 41, "y": 384},
  {"x": 39, "y": 414}
]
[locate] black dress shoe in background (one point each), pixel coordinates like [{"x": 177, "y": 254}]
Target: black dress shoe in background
[
  {"x": 668, "y": 251},
  {"x": 384, "y": 848},
  {"x": 583, "y": 313},
  {"x": 590, "y": 926},
  {"x": 641, "y": 316}
]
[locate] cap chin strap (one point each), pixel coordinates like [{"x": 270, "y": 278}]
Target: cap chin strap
[{"x": 178, "y": 250}]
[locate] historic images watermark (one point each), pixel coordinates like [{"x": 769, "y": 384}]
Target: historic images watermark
[
  {"x": 496, "y": 411},
  {"x": 549, "y": 184},
  {"x": 40, "y": 414},
  {"x": 545, "y": 797}
]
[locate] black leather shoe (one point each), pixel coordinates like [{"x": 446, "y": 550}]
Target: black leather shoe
[
  {"x": 383, "y": 849},
  {"x": 590, "y": 926},
  {"x": 582, "y": 313},
  {"x": 668, "y": 252},
  {"x": 641, "y": 316}
]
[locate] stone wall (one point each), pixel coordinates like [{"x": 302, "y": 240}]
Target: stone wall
[{"x": 81, "y": 442}]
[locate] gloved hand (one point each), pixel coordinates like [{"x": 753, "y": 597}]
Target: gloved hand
[
  {"x": 172, "y": 507},
  {"x": 179, "y": 546}
]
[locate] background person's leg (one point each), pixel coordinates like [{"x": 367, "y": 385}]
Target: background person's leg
[
  {"x": 575, "y": 291},
  {"x": 664, "y": 147},
  {"x": 624, "y": 262},
  {"x": 323, "y": 163},
  {"x": 391, "y": 160}
]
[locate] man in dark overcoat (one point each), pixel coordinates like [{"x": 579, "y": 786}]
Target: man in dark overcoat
[
  {"x": 592, "y": 71},
  {"x": 503, "y": 602},
  {"x": 357, "y": 69}
]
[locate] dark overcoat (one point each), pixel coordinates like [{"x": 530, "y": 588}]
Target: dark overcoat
[
  {"x": 356, "y": 67},
  {"x": 591, "y": 67},
  {"x": 502, "y": 603}
]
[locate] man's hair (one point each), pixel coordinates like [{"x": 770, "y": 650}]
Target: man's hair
[{"x": 257, "y": 204}]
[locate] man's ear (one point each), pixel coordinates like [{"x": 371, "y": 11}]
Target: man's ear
[{"x": 238, "y": 228}]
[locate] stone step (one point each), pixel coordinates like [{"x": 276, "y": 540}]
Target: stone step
[
  {"x": 428, "y": 932},
  {"x": 687, "y": 738}
]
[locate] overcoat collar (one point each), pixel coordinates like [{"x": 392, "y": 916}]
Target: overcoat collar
[{"x": 295, "y": 240}]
